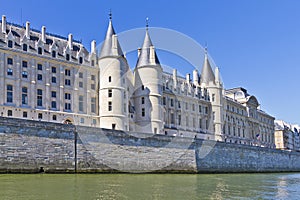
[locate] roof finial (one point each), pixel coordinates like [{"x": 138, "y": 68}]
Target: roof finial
[
  {"x": 147, "y": 23},
  {"x": 110, "y": 14},
  {"x": 205, "y": 48}
]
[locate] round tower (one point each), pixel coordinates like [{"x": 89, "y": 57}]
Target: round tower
[
  {"x": 113, "y": 100},
  {"x": 148, "y": 92}
]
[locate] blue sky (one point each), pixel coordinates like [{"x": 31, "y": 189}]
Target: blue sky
[{"x": 255, "y": 43}]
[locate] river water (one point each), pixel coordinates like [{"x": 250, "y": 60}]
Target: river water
[{"x": 149, "y": 186}]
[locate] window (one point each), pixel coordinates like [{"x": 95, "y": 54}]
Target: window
[
  {"x": 67, "y": 72},
  {"x": 109, "y": 93},
  {"x": 40, "y": 116},
  {"x": 81, "y": 120},
  {"x": 143, "y": 100},
  {"x": 113, "y": 126},
  {"x": 53, "y": 104},
  {"x": 80, "y": 106},
  {"x": 25, "y": 114},
  {"x": 94, "y": 121},
  {"x": 80, "y": 75},
  {"x": 172, "y": 102},
  {"x": 24, "y": 47},
  {"x": 80, "y": 60},
  {"x": 213, "y": 97},
  {"x": 187, "y": 121},
  {"x": 39, "y": 97},
  {"x": 68, "y": 57},
  {"x": 67, "y": 96},
  {"x": 10, "y": 43},
  {"x": 200, "y": 123},
  {"x": 172, "y": 118},
  {"x": 186, "y": 105},
  {"x": 92, "y": 77},
  {"x": 179, "y": 105},
  {"x": 93, "y": 86},
  {"x": 80, "y": 84},
  {"x": 39, "y": 77},
  {"x": 9, "y": 113},
  {"x": 9, "y": 93},
  {"x": 164, "y": 100},
  {"x": 9, "y": 72},
  {"x": 67, "y": 106},
  {"x": 10, "y": 61},
  {"x": 179, "y": 120},
  {"x": 93, "y": 62},
  {"x": 53, "y": 79},
  {"x": 143, "y": 87},
  {"x": 40, "y": 51},
  {"x": 40, "y": 67},
  {"x": 24, "y": 64},
  {"x": 193, "y": 107},
  {"x": 24, "y": 96},
  {"x": 53, "y": 54},
  {"x": 109, "y": 79},
  {"x": 67, "y": 82},
  {"x": 206, "y": 110},
  {"x": 109, "y": 106},
  {"x": 54, "y": 117},
  {"x": 53, "y": 94},
  {"x": 93, "y": 104},
  {"x": 200, "y": 109},
  {"x": 24, "y": 74},
  {"x": 143, "y": 112},
  {"x": 53, "y": 70}
]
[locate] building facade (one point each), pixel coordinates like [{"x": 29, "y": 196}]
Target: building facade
[
  {"x": 48, "y": 77},
  {"x": 287, "y": 136}
]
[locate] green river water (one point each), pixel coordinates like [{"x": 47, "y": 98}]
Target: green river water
[{"x": 149, "y": 186}]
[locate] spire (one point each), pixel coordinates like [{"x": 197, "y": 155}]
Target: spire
[
  {"x": 207, "y": 74},
  {"x": 147, "y": 55},
  {"x": 110, "y": 46}
]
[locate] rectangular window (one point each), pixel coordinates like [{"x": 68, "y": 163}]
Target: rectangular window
[
  {"x": 67, "y": 72},
  {"x": 40, "y": 116},
  {"x": 93, "y": 104},
  {"x": 80, "y": 75},
  {"x": 213, "y": 97},
  {"x": 53, "y": 79},
  {"x": 67, "y": 106},
  {"x": 53, "y": 54},
  {"x": 9, "y": 93},
  {"x": 24, "y": 74},
  {"x": 186, "y": 105},
  {"x": 53, "y": 104},
  {"x": 53, "y": 70},
  {"x": 9, "y": 72},
  {"x": 80, "y": 100},
  {"x": 143, "y": 112},
  {"x": 39, "y": 66},
  {"x": 206, "y": 110},
  {"x": 67, "y": 96},
  {"x": 9, "y": 113},
  {"x": 94, "y": 121},
  {"x": 67, "y": 82},
  {"x": 10, "y": 61},
  {"x": 109, "y": 93},
  {"x": 200, "y": 123},
  {"x": 39, "y": 77},
  {"x": 109, "y": 79},
  {"x": 179, "y": 120},
  {"x": 143, "y": 100},
  {"x": 25, "y": 114},
  {"x": 80, "y": 84},
  {"x": 81, "y": 120},
  {"x": 39, "y": 97},
  {"x": 24, "y": 96},
  {"x": 143, "y": 87},
  {"x": 109, "y": 106},
  {"x": 68, "y": 57},
  {"x": 164, "y": 100},
  {"x": 92, "y": 77},
  {"x": 179, "y": 104},
  {"x": 193, "y": 107},
  {"x": 93, "y": 86},
  {"x": 172, "y": 118},
  {"x": 53, "y": 94},
  {"x": 10, "y": 44},
  {"x": 93, "y": 63},
  {"x": 40, "y": 51},
  {"x": 24, "y": 64},
  {"x": 80, "y": 60},
  {"x": 54, "y": 118},
  {"x": 172, "y": 102},
  {"x": 24, "y": 47},
  {"x": 187, "y": 121},
  {"x": 200, "y": 109}
]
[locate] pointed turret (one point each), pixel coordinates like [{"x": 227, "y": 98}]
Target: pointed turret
[
  {"x": 110, "y": 46},
  {"x": 207, "y": 74},
  {"x": 147, "y": 54}
]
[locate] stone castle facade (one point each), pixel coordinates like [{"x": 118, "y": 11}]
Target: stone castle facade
[{"x": 50, "y": 78}]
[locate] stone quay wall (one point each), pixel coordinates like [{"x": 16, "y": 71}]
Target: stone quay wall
[{"x": 31, "y": 146}]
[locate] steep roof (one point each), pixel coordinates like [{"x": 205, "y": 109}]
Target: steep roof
[
  {"x": 144, "y": 57},
  {"x": 207, "y": 74},
  {"x": 107, "y": 48}
]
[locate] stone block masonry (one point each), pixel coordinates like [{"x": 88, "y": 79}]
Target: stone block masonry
[{"x": 31, "y": 146}]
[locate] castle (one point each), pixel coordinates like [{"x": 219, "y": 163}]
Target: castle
[{"x": 51, "y": 78}]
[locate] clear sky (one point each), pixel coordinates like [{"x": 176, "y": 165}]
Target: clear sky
[{"x": 255, "y": 43}]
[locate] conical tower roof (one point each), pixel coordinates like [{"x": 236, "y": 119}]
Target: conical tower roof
[
  {"x": 108, "y": 48},
  {"x": 145, "y": 57},
  {"x": 207, "y": 74}
]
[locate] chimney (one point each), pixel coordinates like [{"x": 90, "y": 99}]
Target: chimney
[
  {"x": 27, "y": 33},
  {"x": 217, "y": 75},
  {"x": 3, "y": 24},
  {"x": 188, "y": 78},
  {"x": 175, "y": 78},
  {"x": 44, "y": 34},
  {"x": 93, "y": 47},
  {"x": 195, "y": 77},
  {"x": 152, "y": 54},
  {"x": 139, "y": 52},
  {"x": 70, "y": 41}
]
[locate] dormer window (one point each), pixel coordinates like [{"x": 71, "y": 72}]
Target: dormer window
[
  {"x": 68, "y": 57},
  {"x": 40, "y": 50},
  {"x": 80, "y": 60},
  {"x": 53, "y": 54},
  {"x": 25, "y": 47},
  {"x": 10, "y": 43}
]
